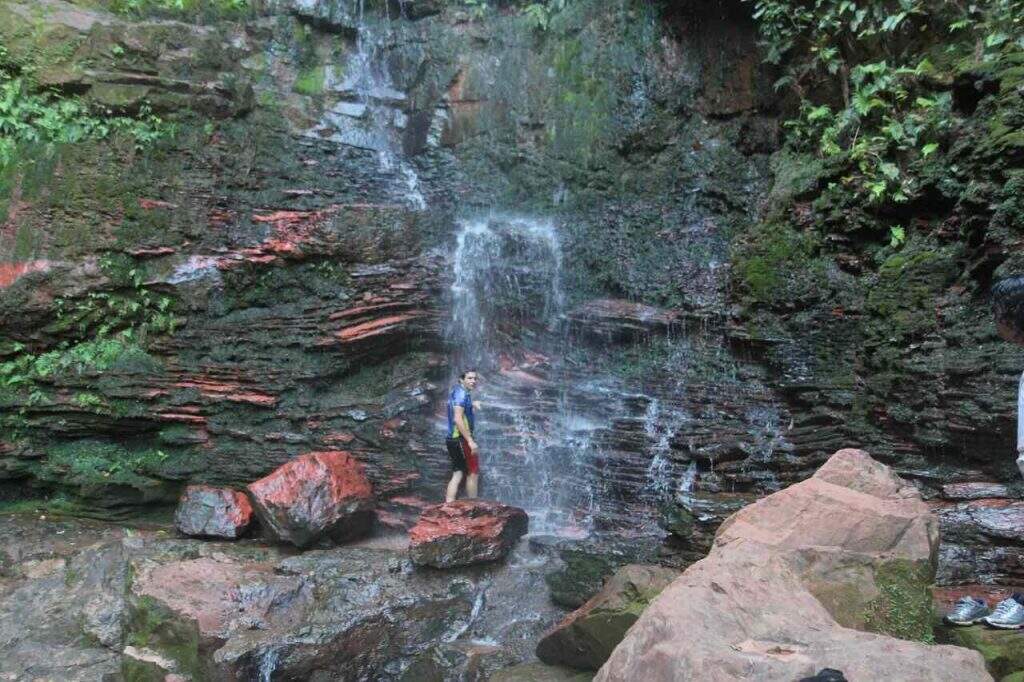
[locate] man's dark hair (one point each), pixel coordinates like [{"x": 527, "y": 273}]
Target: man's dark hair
[{"x": 465, "y": 372}]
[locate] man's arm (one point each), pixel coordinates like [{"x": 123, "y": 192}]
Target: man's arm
[{"x": 462, "y": 424}]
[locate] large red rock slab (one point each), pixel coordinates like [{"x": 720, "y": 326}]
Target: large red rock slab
[
  {"x": 204, "y": 511},
  {"x": 587, "y": 636},
  {"x": 792, "y": 583},
  {"x": 321, "y": 494},
  {"x": 466, "y": 532}
]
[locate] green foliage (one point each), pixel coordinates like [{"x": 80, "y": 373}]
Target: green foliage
[
  {"x": 31, "y": 115},
  {"x": 539, "y": 13},
  {"x": 99, "y": 330},
  {"x": 861, "y": 72},
  {"x": 85, "y": 462},
  {"x": 218, "y": 7},
  {"x": 897, "y": 235}
]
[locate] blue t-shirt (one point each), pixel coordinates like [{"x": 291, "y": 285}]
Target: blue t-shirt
[{"x": 459, "y": 396}]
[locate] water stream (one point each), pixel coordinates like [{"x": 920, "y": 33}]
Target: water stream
[{"x": 370, "y": 112}]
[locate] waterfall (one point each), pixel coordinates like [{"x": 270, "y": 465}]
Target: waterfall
[
  {"x": 369, "y": 114},
  {"x": 268, "y": 664},
  {"x": 507, "y": 321}
]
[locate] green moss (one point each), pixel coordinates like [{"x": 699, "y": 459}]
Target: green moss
[
  {"x": 151, "y": 625},
  {"x": 96, "y": 462},
  {"x": 907, "y": 286},
  {"x": 903, "y": 607},
  {"x": 310, "y": 81},
  {"x": 1001, "y": 649},
  {"x": 776, "y": 263}
]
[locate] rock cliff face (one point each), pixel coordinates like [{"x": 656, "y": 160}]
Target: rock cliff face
[{"x": 274, "y": 278}]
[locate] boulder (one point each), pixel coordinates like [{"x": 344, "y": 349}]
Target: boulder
[
  {"x": 204, "y": 511},
  {"x": 585, "y": 565},
  {"x": 586, "y": 638},
  {"x": 792, "y": 583},
  {"x": 465, "y": 532},
  {"x": 321, "y": 494}
]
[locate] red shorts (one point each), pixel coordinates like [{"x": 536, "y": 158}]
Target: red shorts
[{"x": 462, "y": 457}]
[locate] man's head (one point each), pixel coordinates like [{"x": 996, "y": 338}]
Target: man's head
[{"x": 468, "y": 379}]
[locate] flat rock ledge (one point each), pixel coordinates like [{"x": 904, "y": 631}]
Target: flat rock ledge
[
  {"x": 466, "y": 532},
  {"x": 824, "y": 574}
]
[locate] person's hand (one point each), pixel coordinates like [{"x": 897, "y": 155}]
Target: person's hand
[
  {"x": 476, "y": 404},
  {"x": 473, "y": 446}
]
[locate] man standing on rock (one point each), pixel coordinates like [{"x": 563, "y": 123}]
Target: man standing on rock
[{"x": 462, "y": 448}]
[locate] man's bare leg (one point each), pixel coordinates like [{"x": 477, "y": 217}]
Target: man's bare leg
[
  {"x": 472, "y": 481},
  {"x": 453, "y": 487}
]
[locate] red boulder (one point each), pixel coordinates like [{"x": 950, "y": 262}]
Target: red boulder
[
  {"x": 466, "y": 532},
  {"x": 205, "y": 511},
  {"x": 319, "y": 494}
]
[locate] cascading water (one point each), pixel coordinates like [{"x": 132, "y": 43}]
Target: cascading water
[
  {"x": 508, "y": 322},
  {"x": 369, "y": 114}
]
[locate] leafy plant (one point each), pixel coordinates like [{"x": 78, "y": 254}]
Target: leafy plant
[
  {"x": 30, "y": 115},
  {"x": 215, "y": 6},
  {"x": 859, "y": 72}
]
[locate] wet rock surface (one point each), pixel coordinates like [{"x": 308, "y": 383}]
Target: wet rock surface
[
  {"x": 205, "y": 511},
  {"x": 320, "y": 494},
  {"x": 239, "y": 610},
  {"x": 466, "y": 532},
  {"x": 792, "y": 582},
  {"x": 982, "y": 541},
  {"x": 587, "y": 637}
]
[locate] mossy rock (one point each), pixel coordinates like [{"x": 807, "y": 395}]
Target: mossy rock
[
  {"x": 904, "y": 607},
  {"x": 153, "y": 626},
  {"x": 892, "y": 598},
  {"x": 1003, "y": 650}
]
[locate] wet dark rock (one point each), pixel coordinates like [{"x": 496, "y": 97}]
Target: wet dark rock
[
  {"x": 320, "y": 494},
  {"x": 467, "y": 661},
  {"x": 204, "y": 511},
  {"x": 62, "y": 611},
  {"x": 465, "y": 532},
  {"x": 587, "y": 637},
  {"x": 618, "y": 320},
  {"x": 975, "y": 491},
  {"x": 584, "y": 565},
  {"x": 209, "y": 610},
  {"x": 982, "y": 541}
]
